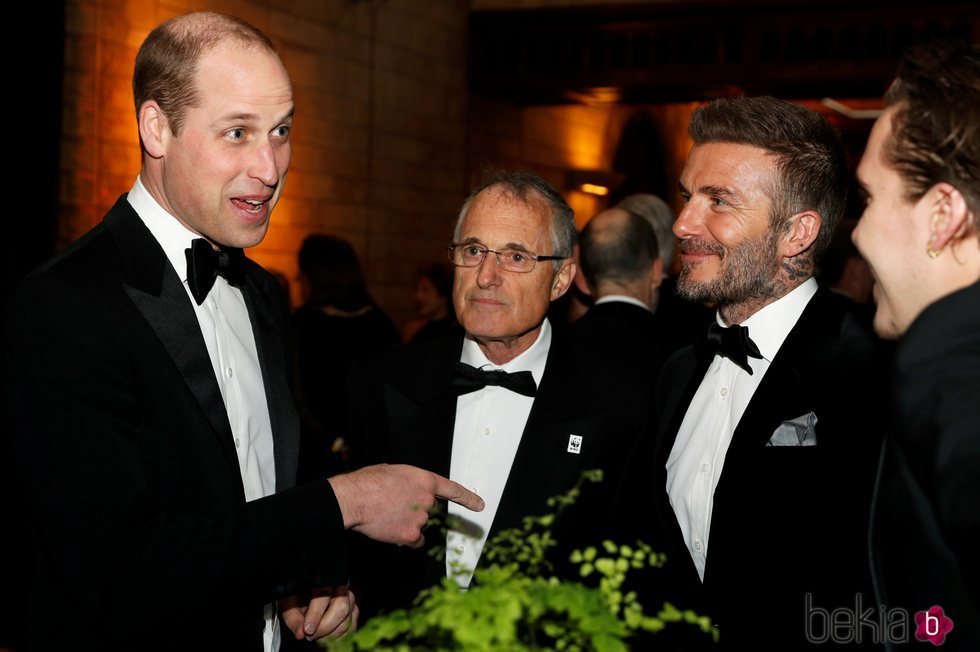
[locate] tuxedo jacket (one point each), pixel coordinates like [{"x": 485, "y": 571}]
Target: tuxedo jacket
[
  {"x": 124, "y": 444},
  {"x": 624, "y": 345},
  {"x": 404, "y": 412},
  {"x": 787, "y": 521},
  {"x": 926, "y": 520}
]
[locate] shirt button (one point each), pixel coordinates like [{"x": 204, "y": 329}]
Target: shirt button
[
  {"x": 238, "y": 442},
  {"x": 698, "y": 546},
  {"x": 486, "y": 431},
  {"x": 229, "y": 372},
  {"x": 705, "y": 467},
  {"x": 724, "y": 391}
]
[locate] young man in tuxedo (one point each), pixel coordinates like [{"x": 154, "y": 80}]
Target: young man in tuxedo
[
  {"x": 496, "y": 408},
  {"x": 146, "y": 373},
  {"x": 920, "y": 233},
  {"x": 765, "y": 445}
]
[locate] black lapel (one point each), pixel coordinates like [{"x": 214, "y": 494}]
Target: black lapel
[
  {"x": 543, "y": 450},
  {"x": 787, "y": 391},
  {"x": 271, "y": 350},
  {"x": 688, "y": 369},
  {"x": 156, "y": 291}
]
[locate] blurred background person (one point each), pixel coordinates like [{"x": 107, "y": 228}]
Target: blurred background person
[
  {"x": 338, "y": 324},
  {"x": 433, "y": 304},
  {"x": 847, "y": 274},
  {"x": 920, "y": 177},
  {"x": 682, "y": 321}
]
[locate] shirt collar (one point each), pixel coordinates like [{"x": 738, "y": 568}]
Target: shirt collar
[
  {"x": 174, "y": 238},
  {"x": 622, "y": 298},
  {"x": 770, "y": 326},
  {"x": 532, "y": 360}
]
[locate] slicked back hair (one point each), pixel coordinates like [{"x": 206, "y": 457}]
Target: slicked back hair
[
  {"x": 528, "y": 188},
  {"x": 935, "y": 133},
  {"x": 167, "y": 61},
  {"x": 812, "y": 170}
]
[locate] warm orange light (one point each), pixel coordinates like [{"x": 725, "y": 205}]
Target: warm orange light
[{"x": 593, "y": 189}]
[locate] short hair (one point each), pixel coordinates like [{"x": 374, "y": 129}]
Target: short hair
[
  {"x": 935, "y": 133},
  {"x": 812, "y": 169},
  {"x": 622, "y": 253},
  {"x": 660, "y": 216},
  {"x": 333, "y": 270},
  {"x": 526, "y": 188},
  {"x": 167, "y": 61}
]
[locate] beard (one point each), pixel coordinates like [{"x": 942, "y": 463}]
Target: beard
[{"x": 748, "y": 271}]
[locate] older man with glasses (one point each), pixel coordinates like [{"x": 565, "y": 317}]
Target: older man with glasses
[{"x": 494, "y": 409}]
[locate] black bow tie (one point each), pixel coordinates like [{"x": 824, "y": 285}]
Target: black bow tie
[
  {"x": 204, "y": 265},
  {"x": 732, "y": 343},
  {"x": 468, "y": 379}
]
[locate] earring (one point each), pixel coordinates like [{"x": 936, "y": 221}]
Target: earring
[{"x": 932, "y": 253}]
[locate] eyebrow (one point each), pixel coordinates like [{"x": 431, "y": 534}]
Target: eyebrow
[
  {"x": 510, "y": 245},
  {"x": 250, "y": 117},
  {"x": 712, "y": 190}
]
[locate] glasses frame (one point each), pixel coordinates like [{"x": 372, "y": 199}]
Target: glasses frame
[{"x": 487, "y": 250}]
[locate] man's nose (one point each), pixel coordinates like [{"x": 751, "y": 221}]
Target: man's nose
[
  {"x": 488, "y": 273},
  {"x": 265, "y": 167},
  {"x": 688, "y": 222}
]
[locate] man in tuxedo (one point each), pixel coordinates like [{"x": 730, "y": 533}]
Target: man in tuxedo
[
  {"x": 764, "y": 456},
  {"x": 920, "y": 233},
  {"x": 147, "y": 391},
  {"x": 494, "y": 408},
  {"x": 620, "y": 338}
]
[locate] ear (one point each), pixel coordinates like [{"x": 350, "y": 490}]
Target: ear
[
  {"x": 154, "y": 129},
  {"x": 563, "y": 279},
  {"x": 799, "y": 233},
  {"x": 950, "y": 217},
  {"x": 579, "y": 279},
  {"x": 656, "y": 273}
]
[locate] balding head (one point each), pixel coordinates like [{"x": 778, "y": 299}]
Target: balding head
[
  {"x": 660, "y": 216},
  {"x": 167, "y": 61},
  {"x": 619, "y": 255}
]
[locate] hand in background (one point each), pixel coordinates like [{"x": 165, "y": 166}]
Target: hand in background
[{"x": 330, "y": 612}]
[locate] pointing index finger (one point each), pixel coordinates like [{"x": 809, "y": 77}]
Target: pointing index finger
[{"x": 458, "y": 494}]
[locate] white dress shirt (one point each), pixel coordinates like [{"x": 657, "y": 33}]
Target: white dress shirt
[
  {"x": 489, "y": 425},
  {"x": 227, "y": 332},
  {"x": 622, "y": 298},
  {"x": 698, "y": 455}
]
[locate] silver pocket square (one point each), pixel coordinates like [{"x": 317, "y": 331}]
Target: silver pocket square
[{"x": 801, "y": 431}]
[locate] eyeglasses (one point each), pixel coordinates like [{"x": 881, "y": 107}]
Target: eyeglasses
[{"x": 513, "y": 260}]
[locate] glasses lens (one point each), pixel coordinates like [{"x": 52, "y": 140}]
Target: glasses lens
[
  {"x": 468, "y": 255},
  {"x": 516, "y": 261}
]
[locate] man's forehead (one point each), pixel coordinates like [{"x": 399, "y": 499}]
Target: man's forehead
[{"x": 494, "y": 208}]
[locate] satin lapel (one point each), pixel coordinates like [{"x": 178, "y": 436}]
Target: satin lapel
[
  {"x": 543, "y": 450},
  {"x": 688, "y": 374},
  {"x": 787, "y": 391},
  {"x": 271, "y": 349},
  {"x": 158, "y": 294}
]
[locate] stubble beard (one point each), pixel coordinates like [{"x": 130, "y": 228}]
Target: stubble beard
[{"x": 749, "y": 272}]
